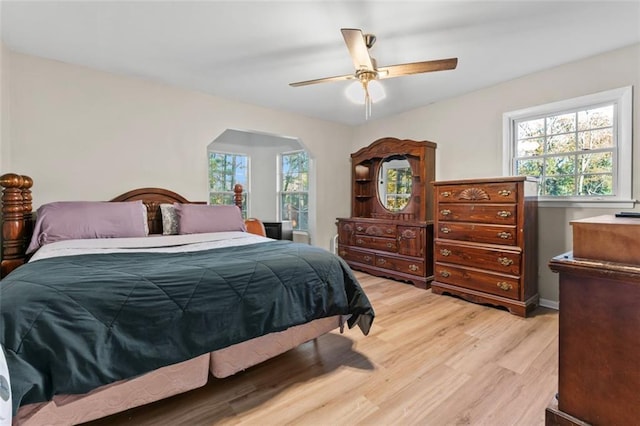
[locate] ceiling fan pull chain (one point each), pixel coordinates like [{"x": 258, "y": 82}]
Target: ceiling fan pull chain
[{"x": 367, "y": 101}]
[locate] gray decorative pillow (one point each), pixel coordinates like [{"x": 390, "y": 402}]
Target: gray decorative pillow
[{"x": 169, "y": 219}]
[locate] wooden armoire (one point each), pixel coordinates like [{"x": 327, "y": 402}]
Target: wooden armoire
[{"x": 390, "y": 231}]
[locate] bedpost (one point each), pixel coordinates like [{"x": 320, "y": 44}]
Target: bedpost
[
  {"x": 16, "y": 218},
  {"x": 237, "y": 196}
]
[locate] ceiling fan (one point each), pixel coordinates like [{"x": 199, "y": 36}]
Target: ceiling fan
[{"x": 367, "y": 69}]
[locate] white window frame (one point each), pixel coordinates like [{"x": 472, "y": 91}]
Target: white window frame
[{"x": 623, "y": 160}]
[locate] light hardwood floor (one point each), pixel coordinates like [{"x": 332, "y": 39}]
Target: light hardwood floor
[{"x": 429, "y": 360}]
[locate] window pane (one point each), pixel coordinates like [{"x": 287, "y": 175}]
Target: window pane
[
  {"x": 217, "y": 198},
  {"x": 595, "y": 185},
  {"x": 600, "y": 162},
  {"x": 399, "y": 181},
  {"x": 228, "y": 199},
  {"x": 397, "y": 202},
  {"x": 596, "y": 139},
  {"x": 530, "y": 147},
  {"x": 561, "y": 143},
  {"x": 531, "y": 128},
  {"x": 529, "y": 167},
  {"x": 562, "y": 165},
  {"x": 563, "y": 123},
  {"x": 295, "y": 207},
  {"x": 595, "y": 118},
  {"x": 559, "y": 186},
  {"x": 295, "y": 176},
  {"x": 225, "y": 170}
]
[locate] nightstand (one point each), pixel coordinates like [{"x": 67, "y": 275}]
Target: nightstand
[{"x": 279, "y": 230}]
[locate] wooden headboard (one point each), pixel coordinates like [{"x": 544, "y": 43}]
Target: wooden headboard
[{"x": 17, "y": 215}]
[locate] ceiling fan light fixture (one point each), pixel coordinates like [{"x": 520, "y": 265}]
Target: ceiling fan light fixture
[
  {"x": 356, "y": 94},
  {"x": 365, "y": 92}
]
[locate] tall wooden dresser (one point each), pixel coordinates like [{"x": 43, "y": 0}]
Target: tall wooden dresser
[
  {"x": 599, "y": 332},
  {"x": 390, "y": 231},
  {"x": 486, "y": 241}
]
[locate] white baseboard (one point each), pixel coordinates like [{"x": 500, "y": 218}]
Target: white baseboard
[{"x": 551, "y": 304}]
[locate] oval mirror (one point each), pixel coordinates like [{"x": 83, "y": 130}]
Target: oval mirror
[{"x": 394, "y": 183}]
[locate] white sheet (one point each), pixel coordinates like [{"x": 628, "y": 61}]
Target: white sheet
[{"x": 154, "y": 243}]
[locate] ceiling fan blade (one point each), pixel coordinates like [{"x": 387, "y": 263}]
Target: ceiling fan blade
[
  {"x": 417, "y": 68},
  {"x": 323, "y": 80},
  {"x": 357, "y": 49}
]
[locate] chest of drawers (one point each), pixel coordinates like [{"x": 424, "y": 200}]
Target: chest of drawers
[
  {"x": 485, "y": 245},
  {"x": 393, "y": 248}
]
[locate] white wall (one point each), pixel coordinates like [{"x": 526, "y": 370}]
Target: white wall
[
  {"x": 4, "y": 99},
  {"x": 468, "y": 131},
  {"x": 86, "y": 134}
]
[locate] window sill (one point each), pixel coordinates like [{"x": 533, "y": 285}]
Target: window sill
[{"x": 589, "y": 204}]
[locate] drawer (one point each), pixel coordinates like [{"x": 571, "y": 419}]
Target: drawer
[
  {"x": 504, "y": 214},
  {"x": 376, "y": 230},
  {"x": 486, "y": 282},
  {"x": 506, "y": 192},
  {"x": 377, "y": 243},
  {"x": 478, "y": 233},
  {"x": 352, "y": 255},
  {"x": 479, "y": 257},
  {"x": 414, "y": 267}
]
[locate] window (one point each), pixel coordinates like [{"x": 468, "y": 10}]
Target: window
[
  {"x": 225, "y": 171},
  {"x": 294, "y": 189},
  {"x": 395, "y": 183},
  {"x": 580, "y": 149}
]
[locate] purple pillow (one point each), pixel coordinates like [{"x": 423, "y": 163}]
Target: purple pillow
[
  {"x": 195, "y": 219},
  {"x": 71, "y": 220}
]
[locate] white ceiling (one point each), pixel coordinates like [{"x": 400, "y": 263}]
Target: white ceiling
[{"x": 250, "y": 50}]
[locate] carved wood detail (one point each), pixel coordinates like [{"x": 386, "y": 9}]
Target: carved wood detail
[
  {"x": 16, "y": 220},
  {"x": 473, "y": 194}
]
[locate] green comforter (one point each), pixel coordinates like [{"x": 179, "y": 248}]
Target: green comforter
[{"x": 70, "y": 324}]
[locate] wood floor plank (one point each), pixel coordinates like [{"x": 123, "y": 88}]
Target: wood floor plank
[{"x": 429, "y": 360}]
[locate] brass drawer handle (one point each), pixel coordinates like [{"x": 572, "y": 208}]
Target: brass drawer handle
[
  {"x": 504, "y": 192},
  {"x": 343, "y": 253},
  {"x": 359, "y": 228},
  {"x": 446, "y": 194},
  {"x": 382, "y": 261},
  {"x": 445, "y": 274},
  {"x": 445, "y": 252},
  {"x": 389, "y": 245},
  {"x": 367, "y": 258},
  {"x": 413, "y": 267},
  {"x": 504, "y": 286},
  {"x": 445, "y": 230},
  {"x": 504, "y": 235},
  {"x": 359, "y": 241},
  {"x": 504, "y": 213},
  {"x": 389, "y": 231},
  {"x": 445, "y": 212},
  {"x": 505, "y": 261}
]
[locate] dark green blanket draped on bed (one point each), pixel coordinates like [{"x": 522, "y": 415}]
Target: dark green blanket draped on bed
[{"x": 73, "y": 323}]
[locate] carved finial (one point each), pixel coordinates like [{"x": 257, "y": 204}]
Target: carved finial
[
  {"x": 12, "y": 180},
  {"x": 237, "y": 197}
]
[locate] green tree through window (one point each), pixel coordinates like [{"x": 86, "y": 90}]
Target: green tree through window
[
  {"x": 225, "y": 171},
  {"x": 573, "y": 153},
  {"x": 294, "y": 189}
]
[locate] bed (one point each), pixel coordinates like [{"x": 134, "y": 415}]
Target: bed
[{"x": 95, "y": 326}]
